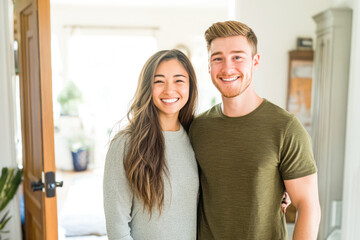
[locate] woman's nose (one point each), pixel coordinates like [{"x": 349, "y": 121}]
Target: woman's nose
[{"x": 169, "y": 87}]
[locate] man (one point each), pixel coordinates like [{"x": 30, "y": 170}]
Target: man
[{"x": 249, "y": 151}]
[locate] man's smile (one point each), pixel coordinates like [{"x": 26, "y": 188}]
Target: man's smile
[{"x": 229, "y": 79}]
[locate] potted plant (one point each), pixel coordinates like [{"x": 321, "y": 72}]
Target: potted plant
[
  {"x": 80, "y": 150},
  {"x": 9, "y": 183},
  {"x": 69, "y": 99}
]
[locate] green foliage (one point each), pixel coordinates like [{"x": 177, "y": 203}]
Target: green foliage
[
  {"x": 9, "y": 183},
  {"x": 69, "y": 99}
]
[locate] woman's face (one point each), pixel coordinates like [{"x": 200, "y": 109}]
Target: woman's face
[{"x": 171, "y": 88}]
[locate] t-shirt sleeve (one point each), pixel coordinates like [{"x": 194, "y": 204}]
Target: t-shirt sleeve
[
  {"x": 297, "y": 159},
  {"x": 191, "y": 131},
  {"x": 117, "y": 193}
]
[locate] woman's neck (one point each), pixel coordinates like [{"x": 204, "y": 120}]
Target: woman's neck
[{"x": 168, "y": 123}]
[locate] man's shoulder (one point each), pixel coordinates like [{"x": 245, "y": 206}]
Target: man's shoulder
[
  {"x": 276, "y": 114},
  {"x": 204, "y": 119},
  {"x": 277, "y": 111},
  {"x": 208, "y": 114}
]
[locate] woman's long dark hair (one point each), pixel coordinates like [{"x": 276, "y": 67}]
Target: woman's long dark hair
[{"x": 144, "y": 161}]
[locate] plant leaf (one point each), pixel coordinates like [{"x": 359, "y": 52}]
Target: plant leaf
[{"x": 10, "y": 187}]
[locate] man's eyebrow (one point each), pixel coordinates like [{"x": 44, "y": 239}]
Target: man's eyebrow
[
  {"x": 238, "y": 51},
  {"x": 216, "y": 53},
  {"x": 234, "y": 51}
]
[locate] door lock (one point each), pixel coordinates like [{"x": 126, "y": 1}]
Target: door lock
[{"x": 49, "y": 186}]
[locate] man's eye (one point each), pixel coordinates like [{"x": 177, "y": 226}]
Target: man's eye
[
  {"x": 238, "y": 57},
  {"x": 216, "y": 59}
]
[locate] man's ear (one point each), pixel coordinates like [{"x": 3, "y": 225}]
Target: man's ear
[{"x": 256, "y": 60}]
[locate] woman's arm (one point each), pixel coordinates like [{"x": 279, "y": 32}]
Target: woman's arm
[{"x": 117, "y": 193}]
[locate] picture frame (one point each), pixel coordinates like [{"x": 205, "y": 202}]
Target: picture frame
[{"x": 300, "y": 85}]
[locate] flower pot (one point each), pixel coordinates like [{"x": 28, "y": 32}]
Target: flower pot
[{"x": 80, "y": 159}]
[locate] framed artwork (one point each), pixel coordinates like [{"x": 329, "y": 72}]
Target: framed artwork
[{"x": 299, "y": 85}]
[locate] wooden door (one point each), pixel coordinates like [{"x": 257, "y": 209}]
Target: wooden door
[{"x": 36, "y": 116}]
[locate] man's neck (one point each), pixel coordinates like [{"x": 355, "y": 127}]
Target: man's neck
[{"x": 241, "y": 105}]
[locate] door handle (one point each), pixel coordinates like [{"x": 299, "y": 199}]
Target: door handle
[
  {"x": 37, "y": 186},
  {"x": 50, "y": 185}
]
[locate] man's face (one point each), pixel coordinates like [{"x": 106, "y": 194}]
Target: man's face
[{"x": 231, "y": 65}]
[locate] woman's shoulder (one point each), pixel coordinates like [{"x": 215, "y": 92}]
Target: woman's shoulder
[{"x": 118, "y": 144}]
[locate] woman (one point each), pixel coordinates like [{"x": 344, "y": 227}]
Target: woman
[{"x": 151, "y": 177}]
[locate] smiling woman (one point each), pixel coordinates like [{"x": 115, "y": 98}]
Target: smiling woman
[
  {"x": 151, "y": 178},
  {"x": 170, "y": 92}
]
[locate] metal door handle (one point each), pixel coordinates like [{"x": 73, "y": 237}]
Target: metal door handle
[
  {"x": 37, "y": 186},
  {"x": 50, "y": 185}
]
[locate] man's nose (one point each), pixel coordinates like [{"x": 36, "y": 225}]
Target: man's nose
[{"x": 228, "y": 67}]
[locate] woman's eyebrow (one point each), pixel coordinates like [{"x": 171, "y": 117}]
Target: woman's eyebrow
[
  {"x": 179, "y": 75},
  {"x": 159, "y": 75},
  {"x": 176, "y": 75}
]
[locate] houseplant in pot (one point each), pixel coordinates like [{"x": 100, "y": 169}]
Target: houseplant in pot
[{"x": 80, "y": 150}]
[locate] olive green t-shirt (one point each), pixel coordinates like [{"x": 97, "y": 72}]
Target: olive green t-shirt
[{"x": 242, "y": 163}]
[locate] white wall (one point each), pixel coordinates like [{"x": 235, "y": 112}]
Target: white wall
[
  {"x": 277, "y": 24},
  {"x": 7, "y": 111}
]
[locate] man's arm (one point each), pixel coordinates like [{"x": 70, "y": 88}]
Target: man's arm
[{"x": 305, "y": 197}]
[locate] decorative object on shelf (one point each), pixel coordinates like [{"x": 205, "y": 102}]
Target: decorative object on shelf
[
  {"x": 304, "y": 43},
  {"x": 9, "y": 183},
  {"x": 300, "y": 85}
]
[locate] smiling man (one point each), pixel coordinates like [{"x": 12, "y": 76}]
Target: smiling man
[{"x": 249, "y": 151}]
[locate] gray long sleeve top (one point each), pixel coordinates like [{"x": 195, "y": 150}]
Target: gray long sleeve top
[{"x": 125, "y": 217}]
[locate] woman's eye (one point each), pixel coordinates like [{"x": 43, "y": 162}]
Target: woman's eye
[
  {"x": 180, "y": 80},
  {"x": 158, "y": 81}
]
